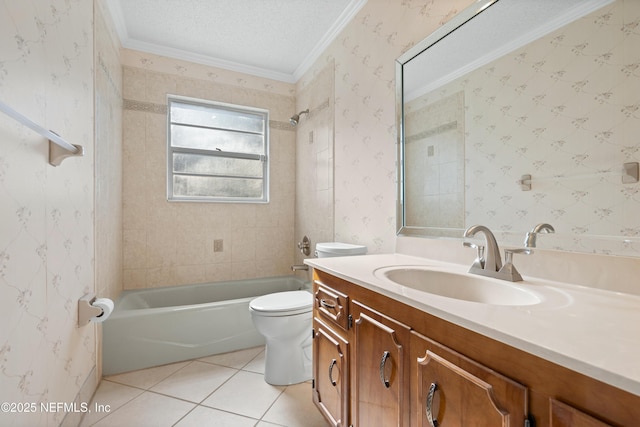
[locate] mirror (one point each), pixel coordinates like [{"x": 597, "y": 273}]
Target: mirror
[{"x": 516, "y": 113}]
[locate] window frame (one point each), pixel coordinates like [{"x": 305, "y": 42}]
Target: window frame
[{"x": 264, "y": 157}]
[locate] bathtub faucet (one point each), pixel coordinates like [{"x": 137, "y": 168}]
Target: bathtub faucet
[{"x": 297, "y": 267}]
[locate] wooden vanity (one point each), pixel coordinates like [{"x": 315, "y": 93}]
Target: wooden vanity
[{"x": 380, "y": 362}]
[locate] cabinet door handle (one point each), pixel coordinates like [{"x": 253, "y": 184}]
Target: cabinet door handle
[
  {"x": 325, "y": 304},
  {"x": 433, "y": 422},
  {"x": 383, "y": 363},
  {"x": 331, "y": 365}
]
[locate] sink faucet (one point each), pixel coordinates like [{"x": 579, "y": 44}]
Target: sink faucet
[
  {"x": 530, "y": 239},
  {"x": 492, "y": 261},
  {"x": 491, "y": 266}
]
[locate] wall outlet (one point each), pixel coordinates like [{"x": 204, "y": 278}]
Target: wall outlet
[
  {"x": 430, "y": 151},
  {"x": 218, "y": 245},
  {"x": 311, "y": 137}
]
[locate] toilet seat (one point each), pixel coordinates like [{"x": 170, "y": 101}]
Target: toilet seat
[{"x": 286, "y": 303}]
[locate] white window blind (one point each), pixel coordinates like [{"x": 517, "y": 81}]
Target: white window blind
[{"x": 217, "y": 152}]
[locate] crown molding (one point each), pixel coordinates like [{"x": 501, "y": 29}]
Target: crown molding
[
  {"x": 117, "y": 16},
  {"x": 343, "y": 20},
  {"x": 207, "y": 60}
]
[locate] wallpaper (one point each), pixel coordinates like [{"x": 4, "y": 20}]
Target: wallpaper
[
  {"x": 365, "y": 136},
  {"x": 172, "y": 243},
  {"x": 108, "y": 162},
  {"x": 47, "y": 213},
  {"x": 566, "y": 110}
]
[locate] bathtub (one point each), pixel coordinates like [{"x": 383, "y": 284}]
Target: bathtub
[{"x": 151, "y": 327}]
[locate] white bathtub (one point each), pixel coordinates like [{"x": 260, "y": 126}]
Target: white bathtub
[{"x": 151, "y": 327}]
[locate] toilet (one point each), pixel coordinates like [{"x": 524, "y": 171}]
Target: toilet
[
  {"x": 334, "y": 249},
  {"x": 284, "y": 319}
]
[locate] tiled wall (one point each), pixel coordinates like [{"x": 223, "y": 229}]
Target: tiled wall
[
  {"x": 434, "y": 163},
  {"x": 314, "y": 161},
  {"x": 365, "y": 146},
  {"x": 173, "y": 243},
  {"x": 47, "y": 213}
]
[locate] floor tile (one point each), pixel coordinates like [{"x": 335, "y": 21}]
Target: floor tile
[
  {"x": 204, "y": 417},
  {"x": 147, "y": 410},
  {"x": 109, "y": 395},
  {"x": 147, "y": 378},
  {"x": 256, "y": 365},
  {"x": 246, "y": 393},
  {"x": 295, "y": 408},
  {"x": 235, "y": 359},
  {"x": 195, "y": 381}
]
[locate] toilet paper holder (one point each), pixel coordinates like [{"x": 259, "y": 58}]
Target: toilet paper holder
[{"x": 86, "y": 310}]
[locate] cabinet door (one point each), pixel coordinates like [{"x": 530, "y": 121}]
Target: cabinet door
[
  {"x": 450, "y": 389},
  {"x": 379, "y": 364},
  {"x": 331, "y": 374},
  {"x": 563, "y": 415}
]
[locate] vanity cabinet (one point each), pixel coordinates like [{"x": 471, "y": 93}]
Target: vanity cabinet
[
  {"x": 379, "y": 366},
  {"x": 562, "y": 415},
  {"x": 380, "y": 362},
  {"x": 450, "y": 389},
  {"x": 331, "y": 374},
  {"x": 331, "y": 353}
]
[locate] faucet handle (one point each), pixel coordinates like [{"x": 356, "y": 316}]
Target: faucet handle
[
  {"x": 508, "y": 254},
  {"x": 509, "y": 271},
  {"x": 479, "y": 262}
]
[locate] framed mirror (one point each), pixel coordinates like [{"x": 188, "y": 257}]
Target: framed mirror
[{"x": 516, "y": 113}]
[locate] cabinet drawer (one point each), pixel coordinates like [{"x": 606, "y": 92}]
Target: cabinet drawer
[{"x": 331, "y": 304}]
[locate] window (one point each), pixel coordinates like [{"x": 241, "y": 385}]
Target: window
[{"x": 217, "y": 152}]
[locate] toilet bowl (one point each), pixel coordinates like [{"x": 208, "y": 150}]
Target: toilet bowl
[{"x": 284, "y": 319}]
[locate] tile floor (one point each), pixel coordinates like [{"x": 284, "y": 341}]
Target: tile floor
[{"x": 226, "y": 390}]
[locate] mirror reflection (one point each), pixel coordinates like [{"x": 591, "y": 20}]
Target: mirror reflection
[{"x": 527, "y": 113}]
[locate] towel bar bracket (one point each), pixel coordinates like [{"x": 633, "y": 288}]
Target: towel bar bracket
[{"x": 57, "y": 154}]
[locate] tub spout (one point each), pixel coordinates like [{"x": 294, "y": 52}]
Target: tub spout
[{"x": 299, "y": 267}]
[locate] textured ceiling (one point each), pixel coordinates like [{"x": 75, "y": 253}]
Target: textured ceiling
[{"x": 277, "y": 39}]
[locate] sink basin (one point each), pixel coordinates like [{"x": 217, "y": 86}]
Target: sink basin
[{"x": 460, "y": 286}]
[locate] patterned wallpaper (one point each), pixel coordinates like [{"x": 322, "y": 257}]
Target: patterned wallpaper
[
  {"x": 47, "y": 213},
  {"x": 108, "y": 161},
  {"x": 365, "y": 134},
  {"x": 565, "y": 109},
  {"x": 172, "y": 243}
]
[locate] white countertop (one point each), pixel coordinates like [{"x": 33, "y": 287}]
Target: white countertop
[{"x": 591, "y": 331}]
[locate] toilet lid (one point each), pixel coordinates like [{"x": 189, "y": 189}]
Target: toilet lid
[{"x": 283, "y": 302}]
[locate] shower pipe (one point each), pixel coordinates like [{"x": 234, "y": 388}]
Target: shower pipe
[{"x": 59, "y": 149}]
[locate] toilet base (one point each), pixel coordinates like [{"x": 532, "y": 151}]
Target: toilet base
[{"x": 287, "y": 364}]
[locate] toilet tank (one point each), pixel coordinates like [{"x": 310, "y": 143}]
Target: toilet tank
[{"x": 333, "y": 249}]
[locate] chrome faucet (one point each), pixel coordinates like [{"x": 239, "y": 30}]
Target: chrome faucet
[
  {"x": 530, "y": 239},
  {"x": 492, "y": 262},
  {"x": 491, "y": 266}
]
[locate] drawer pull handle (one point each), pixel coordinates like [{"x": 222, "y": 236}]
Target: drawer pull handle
[
  {"x": 383, "y": 363},
  {"x": 325, "y": 304},
  {"x": 331, "y": 365},
  {"x": 432, "y": 391}
]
